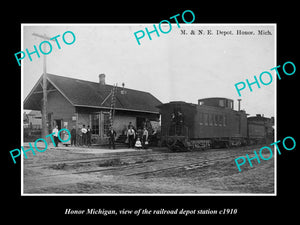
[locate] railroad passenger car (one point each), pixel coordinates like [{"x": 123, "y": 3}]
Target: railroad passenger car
[{"x": 211, "y": 123}]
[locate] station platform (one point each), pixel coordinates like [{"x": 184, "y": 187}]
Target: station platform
[{"x": 84, "y": 149}]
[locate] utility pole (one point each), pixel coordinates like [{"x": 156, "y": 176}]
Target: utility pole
[{"x": 44, "y": 106}]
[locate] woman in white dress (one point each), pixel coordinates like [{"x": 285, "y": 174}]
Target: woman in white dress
[{"x": 65, "y": 136}]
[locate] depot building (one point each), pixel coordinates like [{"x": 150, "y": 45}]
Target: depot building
[{"x": 74, "y": 102}]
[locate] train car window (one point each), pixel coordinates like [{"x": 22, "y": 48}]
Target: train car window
[
  {"x": 216, "y": 120},
  {"x": 220, "y": 120},
  {"x": 221, "y": 103},
  {"x": 201, "y": 118},
  {"x": 206, "y": 119},
  {"x": 224, "y": 120},
  {"x": 211, "y": 119},
  {"x": 238, "y": 121}
]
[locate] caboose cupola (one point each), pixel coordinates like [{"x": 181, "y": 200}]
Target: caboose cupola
[{"x": 217, "y": 102}]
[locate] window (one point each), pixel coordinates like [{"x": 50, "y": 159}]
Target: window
[
  {"x": 220, "y": 120},
  {"x": 224, "y": 120},
  {"x": 211, "y": 119},
  {"x": 95, "y": 124},
  {"x": 206, "y": 119},
  {"x": 222, "y": 103},
  {"x": 106, "y": 122},
  {"x": 239, "y": 123},
  {"x": 216, "y": 120},
  {"x": 201, "y": 118},
  {"x": 231, "y": 104}
]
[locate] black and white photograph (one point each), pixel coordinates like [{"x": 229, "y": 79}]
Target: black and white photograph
[
  {"x": 131, "y": 109},
  {"x": 135, "y": 112}
]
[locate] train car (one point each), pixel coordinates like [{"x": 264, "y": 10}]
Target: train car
[
  {"x": 211, "y": 123},
  {"x": 260, "y": 129}
]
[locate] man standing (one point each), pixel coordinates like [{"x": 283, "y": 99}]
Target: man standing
[
  {"x": 73, "y": 136},
  {"x": 88, "y": 136},
  {"x": 131, "y": 137},
  {"x": 55, "y": 131},
  {"x": 112, "y": 136},
  {"x": 79, "y": 137},
  {"x": 84, "y": 131}
]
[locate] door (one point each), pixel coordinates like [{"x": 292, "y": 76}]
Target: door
[
  {"x": 140, "y": 122},
  {"x": 59, "y": 124}
]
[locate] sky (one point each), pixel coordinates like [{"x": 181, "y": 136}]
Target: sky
[{"x": 172, "y": 67}]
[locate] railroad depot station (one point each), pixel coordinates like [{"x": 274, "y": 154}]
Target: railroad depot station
[{"x": 74, "y": 102}]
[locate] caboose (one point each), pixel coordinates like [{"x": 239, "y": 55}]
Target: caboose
[{"x": 212, "y": 122}]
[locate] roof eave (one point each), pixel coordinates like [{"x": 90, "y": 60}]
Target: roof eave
[{"x": 101, "y": 107}]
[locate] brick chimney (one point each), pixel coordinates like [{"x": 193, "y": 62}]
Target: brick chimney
[{"x": 101, "y": 79}]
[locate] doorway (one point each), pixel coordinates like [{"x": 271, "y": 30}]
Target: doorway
[
  {"x": 58, "y": 123},
  {"x": 140, "y": 122}
]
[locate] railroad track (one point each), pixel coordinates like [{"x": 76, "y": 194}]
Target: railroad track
[
  {"x": 142, "y": 166},
  {"x": 142, "y": 169},
  {"x": 185, "y": 166},
  {"x": 94, "y": 159},
  {"x": 170, "y": 165},
  {"x": 112, "y": 156}
]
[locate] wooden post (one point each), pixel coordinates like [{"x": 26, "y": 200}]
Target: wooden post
[
  {"x": 44, "y": 110},
  {"x": 44, "y": 104}
]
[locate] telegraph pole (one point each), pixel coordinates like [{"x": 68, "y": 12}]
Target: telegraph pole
[{"x": 44, "y": 106}]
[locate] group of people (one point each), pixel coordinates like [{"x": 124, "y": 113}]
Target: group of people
[
  {"x": 64, "y": 136},
  {"x": 135, "y": 139},
  {"x": 81, "y": 137}
]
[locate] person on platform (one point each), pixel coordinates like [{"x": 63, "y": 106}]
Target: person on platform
[
  {"x": 111, "y": 137},
  {"x": 145, "y": 138},
  {"x": 79, "y": 137},
  {"x": 83, "y": 131},
  {"x": 73, "y": 136},
  {"x": 88, "y": 136},
  {"x": 55, "y": 135},
  {"x": 65, "y": 137},
  {"x": 131, "y": 137},
  {"x": 130, "y": 125},
  {"x": 138, "y": 144}
]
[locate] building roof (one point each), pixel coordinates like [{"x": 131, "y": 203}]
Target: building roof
[{"x": 82, "y": 93}]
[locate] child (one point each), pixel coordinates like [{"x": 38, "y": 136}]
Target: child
[{"x": 138, "y": 143}]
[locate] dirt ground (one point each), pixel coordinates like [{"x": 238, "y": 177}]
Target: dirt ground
[{"x": 67, "y": 170}]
